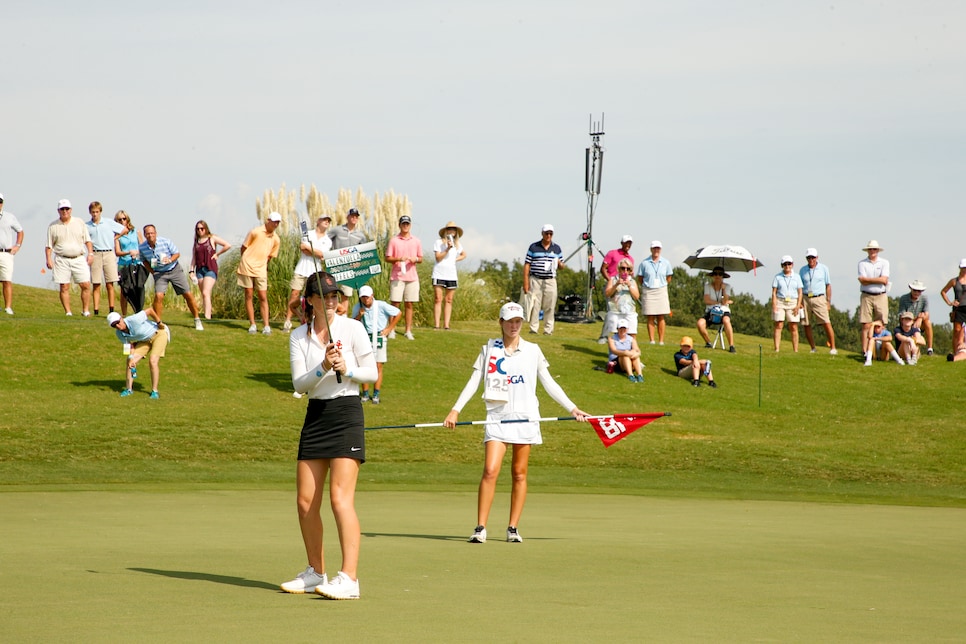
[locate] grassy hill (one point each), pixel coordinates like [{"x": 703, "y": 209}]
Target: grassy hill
[{"x": 780, "y": 426}]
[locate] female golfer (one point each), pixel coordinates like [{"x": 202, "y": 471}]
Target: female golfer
[
  {"x": 332, "y": 441},
  {"x": 509, "y": 368},
  {"x": 447, "y": 251}
]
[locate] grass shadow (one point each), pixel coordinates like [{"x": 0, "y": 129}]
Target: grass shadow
[
  {"x": 115, "y": 384},
  {"x": 203, "y": 576},
  {"x": 599, "y": 351},
  {"x": 433, "y": 537},
  {"x": 278, "y": 381}
]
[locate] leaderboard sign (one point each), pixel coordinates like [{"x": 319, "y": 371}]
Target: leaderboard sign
[{"x": 353, "y": 265}]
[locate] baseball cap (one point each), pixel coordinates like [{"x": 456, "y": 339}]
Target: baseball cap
[
  {"x": 113, "y": 318},
  {"x": 547, "y": 228},
  {"x": 622, "y": 323},
  {"x": 916, "y": 285},
  {"x": 810, "y": 252},
  {"x": 325, "y": 281},
  {"x": 510, "y": 311},
  {"x": 365, "y": 291},
  {"x": 686, "y": 341},
  {"x": 626, "y": 238},
  {"x": 353, "y": 211},
  {"x": 787, "y": 259},
  {"x": 405, "y": 219},
  {"x": 1, "y": 196},
  {"x": 656, "y": 244},
  {"x": 63, "y": 203},
  {"x": 962, "y": 263},
  {"x": 907, "y": 315},
  {"x": 323, "y": 216},
  {"x": 275, "y": 217}
]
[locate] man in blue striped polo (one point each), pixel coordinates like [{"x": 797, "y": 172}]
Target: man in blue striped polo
[{"x": 540, "y": 279}]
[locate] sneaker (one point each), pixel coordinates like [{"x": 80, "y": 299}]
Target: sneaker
[
  {"x": 198, "y": 325},
  {"x": 287, "y": 326},
  {"x": 814, "y": 351},
  {"x": 340, "y": 587},
  {"x": 253, "y": 329},
  {"x": 949, "y": 357},
  {"x": 653, "y": 342},
  {"x": 928, "y": 351},
  {"x": 601, "y": 340},
  {"x": 409, "y": 335},
  {"x": 640, "y": 378},
  {"x": 707, "y": 345},
  {"x": 375, "y": 400},
  {"x": 267, "y": 330},
  {"x": 661, "y": 344},
  {"x": 913, "y": 360},
  {"x": 365, "y": 396},
  {"x": 154, "y": 395},
  {"x": 833, "y": 352},
  {"x": 9, "y": 311},
  {"x": 712, "y": 384},
  {"x": 86, "y": 314},
  {"x": 731, "y": 349},
  {"x": 96, "y": 312},
  {"x": 134, "y": 372},
  {"x": 304, "y": 582},
  {"x": 512, "y": 536},
  {"x": 632, "y": 378},
  {"x": 479, "y": 535},
  {"x": 695, "y": 383},
  {"x": 902, "y": 363},
  {"x": 392, "y": 335},
  {"x": 69, "y": 314},
  {"x": 125, "y": 393}
]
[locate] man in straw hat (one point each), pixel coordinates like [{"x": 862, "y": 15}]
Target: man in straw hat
[
  {"x": 874, "y": 285},
  {"x": 918, "y": 304}
]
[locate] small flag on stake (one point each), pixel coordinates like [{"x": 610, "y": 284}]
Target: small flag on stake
[{"x": 611, "y": 429}]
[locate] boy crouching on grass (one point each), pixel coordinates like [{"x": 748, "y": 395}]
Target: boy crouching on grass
[
  {"x": 690, "y": 367},
  {"x": 143, "y": 334}
]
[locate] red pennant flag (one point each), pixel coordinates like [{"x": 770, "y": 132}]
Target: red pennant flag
[{"x": 611, "y": 429}]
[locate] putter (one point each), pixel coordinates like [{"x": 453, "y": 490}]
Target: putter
[{"x": 304, "y": 226}]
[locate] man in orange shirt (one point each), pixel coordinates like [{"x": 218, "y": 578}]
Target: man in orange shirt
[{"x": 259, "y": 247}]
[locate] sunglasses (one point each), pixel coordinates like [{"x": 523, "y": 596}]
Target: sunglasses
[
  {"x": 202, "y": 228},
  {"x": 120, "y": 219},
  {"x": 787, "y": 264},
  {"x": 624, "y": 269}
]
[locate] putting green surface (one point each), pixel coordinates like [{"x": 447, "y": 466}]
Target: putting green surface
[{"x": 205, "y": 566}]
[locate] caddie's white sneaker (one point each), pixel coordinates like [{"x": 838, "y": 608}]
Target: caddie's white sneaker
[
  {"x": 479, "y": 535},
  {"x": 409, "y": 334},
  {"x": 9, "y": 311},
  {"x": 833, "y": 352},
  {"x": 392, "y": 335},
  {"x": 253, "y": 329},
  {"x": 287, "y": 326},
  {"x": 512, "y": 536},
  {"x": 304, "y": 582},
  {"x": 198, "y": 325},
  {"x": 340, "y": 587},
  {"x": 267, "y": 330}
]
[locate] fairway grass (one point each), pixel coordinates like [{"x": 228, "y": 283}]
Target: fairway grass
[{"x": 204, "y": 566}]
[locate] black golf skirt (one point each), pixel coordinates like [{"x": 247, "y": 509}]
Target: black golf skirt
[{"x": 333, "y": 428}]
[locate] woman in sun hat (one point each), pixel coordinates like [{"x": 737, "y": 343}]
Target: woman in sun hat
[
  {"x": 717, "y": 301},
  {"x": 448, "y": 251},
  {"x": 509, "y": 368}
]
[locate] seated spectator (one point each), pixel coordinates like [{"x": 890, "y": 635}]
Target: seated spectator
[
  {"x": 908, "y": 338},
  {"x": 882, "y": 349},
  {"x": 622, "y": 293},
  {"x": 717, "y": 309},
  {"x": 959, "y": 350},
  {"x": 690, "y": 366},
  {"x": 625, "y": 353},
  {"x": 917, "y": 302}
]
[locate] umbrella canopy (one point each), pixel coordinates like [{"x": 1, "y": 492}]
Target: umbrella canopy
[{"x": 731, "y": 258}]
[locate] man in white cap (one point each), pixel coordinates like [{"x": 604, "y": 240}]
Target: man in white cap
[
  {"x": 873, "y": 287},
  {"x": 259, "y": 248},
  {"x": 143, "y": 334},
  {"x": 817, "y": 288},
  {"x": 543, "y": 259},
  {"x": 653, "y": 276},
  {"x": 11, "y": 238},
  {"x": 613, "y": 258},
  {"x": 316, "y": 240},
  {"x": 404, "y": 252},
  {"x": 917, "y": 303},
  {"x": 786, "y": 302},
  {"x": 380, "y": 319},
  {"x": 67, "y": 242}
]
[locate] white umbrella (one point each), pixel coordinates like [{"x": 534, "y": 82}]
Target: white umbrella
[{"x": 728, "y": 256}]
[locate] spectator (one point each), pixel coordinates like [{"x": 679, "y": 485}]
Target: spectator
[
  {"x": 622, "y": 294},
  {"x": 654, "y": 276},
  {"x": 614, "y": 257},
  {"x": 204, "y": 262},
  {"x": 959, "y": 349},
  {"x": 958, "y": 314},
  {"x": 316, "y": 241},
  {"x": 132, "y": 276},
  {"x": 916, "y": 302},
  {"x": 143, "y": 334},
  {"x": 448, "y": 250},
  {"x": 717, "y": 307},
  {"x": 67, "y": 240},
  {"x": 404, "y": 252},
  {"x": 786, "y": 302},
  {"x": 348, "y": 234},
  {"x": 690, "y": 367},
  {"x": 104, "y": 265},
  {"x": 817, "y": 287},
  {"x": 625, "y": 353},
  {"x": 543, "y": 259},
  {"x": 379, "y": 318},
  {"x": 259, "y": 248},
  {"x": 908, "y": 338},
  {"x": 878, "y": 342},
  {"x": 509, "y": 367},
  {"x": 873, "y": 285},
  {"x": 11, "y": 239},
  {"x": 160, "y": 257}
]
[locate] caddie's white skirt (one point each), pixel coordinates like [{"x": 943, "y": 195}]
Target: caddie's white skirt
[{"x": 655, "y": 301}]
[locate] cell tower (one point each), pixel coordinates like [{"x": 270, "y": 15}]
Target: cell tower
[{"x": 593, "y": 168}]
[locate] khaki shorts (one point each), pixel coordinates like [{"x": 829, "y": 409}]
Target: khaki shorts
[
  {"x": 74, "y": 269},
  {"x": 104, "y": 268},
  {"x": 816, "y": 307},
  {"x": 873, "y": 307},
  {"x": 153, "y": 347},
  {"x": 6, "y": 267},
  {"x": 297, "y": 283},
  {"x": 400, "y": 291},
  {"x": 257, "y": 283},
  {"x": 785, "y": 313}
]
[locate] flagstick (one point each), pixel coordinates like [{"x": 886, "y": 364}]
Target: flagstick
[{"x": 484, "y": 422}]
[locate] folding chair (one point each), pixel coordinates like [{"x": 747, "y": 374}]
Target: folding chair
[{"x": 716, "y": 314}]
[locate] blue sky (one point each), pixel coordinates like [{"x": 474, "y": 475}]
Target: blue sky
[{"x": 774, "y": 125}]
